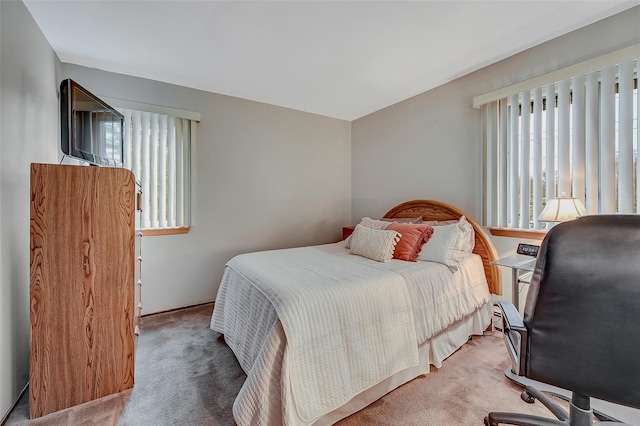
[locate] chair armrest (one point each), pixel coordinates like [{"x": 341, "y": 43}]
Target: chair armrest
[
  {"x": 515, "y": 336},
  {"x": 511, "y": 315}
]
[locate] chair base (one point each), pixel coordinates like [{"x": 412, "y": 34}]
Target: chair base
[
  {"x": 579, "y": 415},
  {"x": 614, "y": 412}
]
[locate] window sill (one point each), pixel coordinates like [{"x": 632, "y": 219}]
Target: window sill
[
  {"x": 151, "y": 232},
  {"x": 518, "y": 233}
]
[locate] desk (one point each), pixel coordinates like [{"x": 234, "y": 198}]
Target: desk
[{"x": 521, "y": 269}]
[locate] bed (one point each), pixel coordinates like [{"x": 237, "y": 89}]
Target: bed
[{"x": 321, "y": 333}]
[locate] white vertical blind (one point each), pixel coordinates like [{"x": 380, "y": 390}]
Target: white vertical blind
[
  {"x": 162, "y": 171},
  {"x": 550, "y": 150},
  {"x": 525, "y": 159},
  {"x": 503, "y": 160},
  {"x": 492, "y": 161},
  {"x": 153, "y": 167},
  {"x": 514, "y": 144},
  {"x": 128, "y": 148},
  {"x": 145, "y": 217},
  {"x": 592, "y": 148},
  {"x": 171, "y": 175},
  {"x": 625, "y": 137},
  {"x": 489, "y": 175},
  {"x": 536, "y": 173},
  {"x": 607, "y": 142},
  {"x": 136, "y": 143},
  {"x": 159, "y": 153},
  {"x": 564, "y": 147},
  {"x": 180, "y": 193},
  {"x": 577, "y": 137}
]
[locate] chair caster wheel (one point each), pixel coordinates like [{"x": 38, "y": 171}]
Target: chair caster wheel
[
  {"x": 527, "y": 397},
  {"x": 488, "y": 422}
]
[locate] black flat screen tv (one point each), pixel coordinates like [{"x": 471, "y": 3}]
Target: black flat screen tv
[{"x": 90, "y": 129}]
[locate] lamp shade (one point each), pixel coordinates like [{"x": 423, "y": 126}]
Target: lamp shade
[{"x": 561, "y": 209}]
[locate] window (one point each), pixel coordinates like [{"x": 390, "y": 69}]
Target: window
[
  {"x": 571, "y": 137},
  {"x": 158, "y": 151}
]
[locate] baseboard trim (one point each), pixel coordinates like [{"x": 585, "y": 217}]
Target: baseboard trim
[
  {"x": 8, "y": 413},
  {"x": 178, "y": 309}
]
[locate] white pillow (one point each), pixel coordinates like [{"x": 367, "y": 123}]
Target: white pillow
[
  {"x": 374, "y": 244},
  {"x": 368, "y": 223},
  {"x": 449, "y": 243},
  {"x": 469, "y": 233}
]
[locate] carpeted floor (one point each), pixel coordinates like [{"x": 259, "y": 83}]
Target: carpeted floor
[{"x": 185, "y": 375}]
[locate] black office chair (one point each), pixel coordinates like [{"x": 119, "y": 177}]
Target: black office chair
[{"x": 581, "y": 328}]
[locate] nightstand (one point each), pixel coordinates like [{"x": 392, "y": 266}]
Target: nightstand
[
  {"x": 521, "y": 271},
  {"x": 346, "y": 231}
]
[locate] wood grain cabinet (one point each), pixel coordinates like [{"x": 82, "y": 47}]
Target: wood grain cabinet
[{"x": 82, "y": 301}]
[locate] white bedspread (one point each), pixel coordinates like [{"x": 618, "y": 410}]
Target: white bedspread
[
  {"x": 348, "y": 325},
  {"x": 426, "y": 297}
]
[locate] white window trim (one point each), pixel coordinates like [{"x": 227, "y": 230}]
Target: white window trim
[
  {"x": 157, "y": 109},
  {"x": 622, "y": 55},
  {"x": 194, "y": 117}
]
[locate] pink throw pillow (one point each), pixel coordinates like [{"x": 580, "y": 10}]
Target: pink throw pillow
[{"x": 412, "y": 240}]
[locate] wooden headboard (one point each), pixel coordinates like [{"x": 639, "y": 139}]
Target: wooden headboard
[{"x": 437, "y": 210}]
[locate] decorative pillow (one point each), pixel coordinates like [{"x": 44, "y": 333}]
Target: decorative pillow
[
  {"x": 368, "y": 223},
  {"x": 411, "y": 241},
  {"x": 449, "y": 243},
  {"x": 415, "y": 220},
  {"x": 374, "y": 224},
  {"x": 375, "y": 244},
  {"x": 470, "y": 235},
  {"x": 466, "y": 227}
]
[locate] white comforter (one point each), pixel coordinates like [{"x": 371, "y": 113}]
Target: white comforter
[
  {"x": 349, "y": 322},
  {"x": 335, "y": 321}
]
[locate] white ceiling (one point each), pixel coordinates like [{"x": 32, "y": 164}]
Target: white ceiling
[{"x": 342, "y": 59}]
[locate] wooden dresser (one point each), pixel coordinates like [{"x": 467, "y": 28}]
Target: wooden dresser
[{"x": 82, "y": 285}]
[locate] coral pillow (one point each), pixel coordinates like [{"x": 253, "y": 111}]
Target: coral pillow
[{"x": 412, "y": 240}]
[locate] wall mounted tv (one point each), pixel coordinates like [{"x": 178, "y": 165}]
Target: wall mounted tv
[{"x": 91, "y": 130}]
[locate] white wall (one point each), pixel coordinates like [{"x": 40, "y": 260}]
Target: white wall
[
  {"x": 28, "y": 133},
  {"x": 266, "y": 177},
  {"x": 429, "y": 146}
]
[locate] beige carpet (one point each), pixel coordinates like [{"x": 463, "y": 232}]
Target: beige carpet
[
  {"x": 470, "y": 384},
  {"x": 186, "y": 376}
]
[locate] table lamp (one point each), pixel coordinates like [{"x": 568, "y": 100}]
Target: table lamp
[{"x": 561, "y": 209}]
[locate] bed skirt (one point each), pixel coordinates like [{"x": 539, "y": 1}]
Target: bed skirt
[{"x": 261, "y": 401}]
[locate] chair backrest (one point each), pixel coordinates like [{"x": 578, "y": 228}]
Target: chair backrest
[{"x": 583, "y": 309}]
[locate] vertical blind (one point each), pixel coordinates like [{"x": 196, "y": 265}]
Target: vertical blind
[
  {"x": 158, "y": 151},
  {"x": 576, "y": 137}
]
